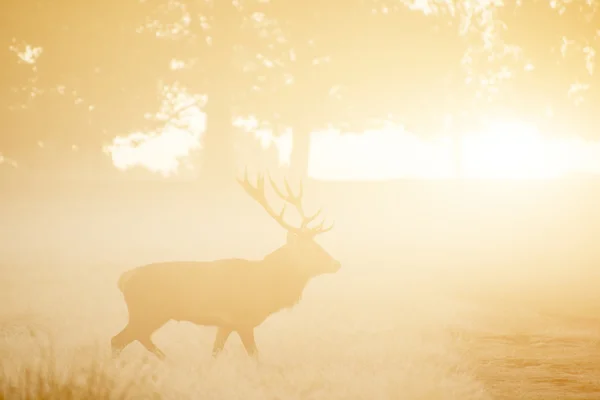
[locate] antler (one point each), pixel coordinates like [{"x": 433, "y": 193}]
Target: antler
[{"x": 258, "y": 193}]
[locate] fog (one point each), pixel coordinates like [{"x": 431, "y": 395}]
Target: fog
[{"x": 439, "y": 280}]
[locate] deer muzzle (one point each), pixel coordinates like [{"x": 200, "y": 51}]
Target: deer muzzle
[{"x": 335, "y": 266}]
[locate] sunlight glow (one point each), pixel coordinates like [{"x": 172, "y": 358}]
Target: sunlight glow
[
  {"x": 510, "y": 150},
  {"x": 166, "y": 150},
  {"x": 505, "y": 149},
  {"x": 513, "y": 150},
  {"x": 161, "y": 152},
  {"x": 377, "y": 155},
  {"x": 283, "y": 141},
  {"x": 27, "y": 54},
  {"x": 7, "y": 161}
]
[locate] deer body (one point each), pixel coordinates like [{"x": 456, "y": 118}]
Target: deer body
[
  {"x": 209, "y": 293},
  {"x": 231, "y": 294}
]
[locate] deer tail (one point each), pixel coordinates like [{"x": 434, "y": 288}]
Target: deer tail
[{"x": 123, "y": 279}]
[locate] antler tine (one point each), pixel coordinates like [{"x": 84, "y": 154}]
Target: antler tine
[
  {"x": 319, "y": 228},
  {"x": 258, "y": 193},
  {"x": 298, "y": 197},
  {"x": 308, "y": 220},
  {"x": 241, "y": 181},
  {"x": 295, "y": 200},
  {"x": 278, "y": 191}
]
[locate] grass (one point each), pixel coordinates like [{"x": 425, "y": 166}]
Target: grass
[
  {"x": 349, "y": 348},
  {"x": 32, "y": 370},
  {"x": 357, "y": 336}
]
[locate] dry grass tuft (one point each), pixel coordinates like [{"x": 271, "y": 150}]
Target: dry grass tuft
[
  {"x": 369, "y": 343},
  {"x": 31, "y": 369}
]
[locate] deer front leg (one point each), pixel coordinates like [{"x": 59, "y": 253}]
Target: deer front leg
[
  {"x": 151, "y": 347},
  {"x": 220, "y": 340},
  {"x": 247, "y": 336}
]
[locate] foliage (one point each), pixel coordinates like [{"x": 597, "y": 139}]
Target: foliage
[{"x": 82, "y": 74}]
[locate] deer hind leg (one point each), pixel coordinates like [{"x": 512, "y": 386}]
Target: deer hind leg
[
  {"x": 151, "y": 347},
  {"x": 122, "y": 339},
  {"x": 140, "y": 328},
  {"x": 146, "y": 328},
  {"x": 220, "y": 340},
  {"x": 128, "y": 335},
  {"x": 247, "y": 336}
]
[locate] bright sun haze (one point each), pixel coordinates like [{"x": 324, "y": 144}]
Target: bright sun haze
[
  {"x": 419, "y": 218},
  {"x": 504, "y": 149}
]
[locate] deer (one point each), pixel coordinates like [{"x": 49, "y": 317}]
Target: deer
[{"x": 233, "y": 295}]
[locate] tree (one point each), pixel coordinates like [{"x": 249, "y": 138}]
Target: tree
[
  {"x": 351, "y": 67},
  {"x": 554, "y": 80},
  {"x": 405, "y": 64},
  {"x": 296, "y": 77},
  {"x": 111, "y": 59},
  {"x": 337, "y": 77},
  {"x": 75, "y": 79}
]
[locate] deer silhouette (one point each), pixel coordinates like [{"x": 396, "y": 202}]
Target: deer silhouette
[{"x": 234, "y": 295}]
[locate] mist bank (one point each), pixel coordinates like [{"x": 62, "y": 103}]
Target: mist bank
[
  {"x": 525, "y": 233},
  {"x": 427, "y": 222}
]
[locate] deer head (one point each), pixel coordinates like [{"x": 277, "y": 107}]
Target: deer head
[{"x": 300, "y": 250}]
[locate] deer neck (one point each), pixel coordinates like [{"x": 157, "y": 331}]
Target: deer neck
[
  {"x": 282, "y": 262},
  {"x": 289, "y": 279}
]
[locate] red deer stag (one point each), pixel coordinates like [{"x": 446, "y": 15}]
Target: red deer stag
[{"x": 230, "y": 294}]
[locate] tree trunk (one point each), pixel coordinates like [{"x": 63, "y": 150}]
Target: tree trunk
[
  {"x": 300, "y": 157},
  {"x": 303, "y": 122},
  {"x": 217, "y": 153},
  {"x": 217, "y": 166}
]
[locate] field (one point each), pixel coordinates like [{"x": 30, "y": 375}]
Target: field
[{"x": 446, "y": 292}]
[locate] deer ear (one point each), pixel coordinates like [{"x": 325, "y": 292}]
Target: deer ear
[{"x": 292, "y": 238}]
